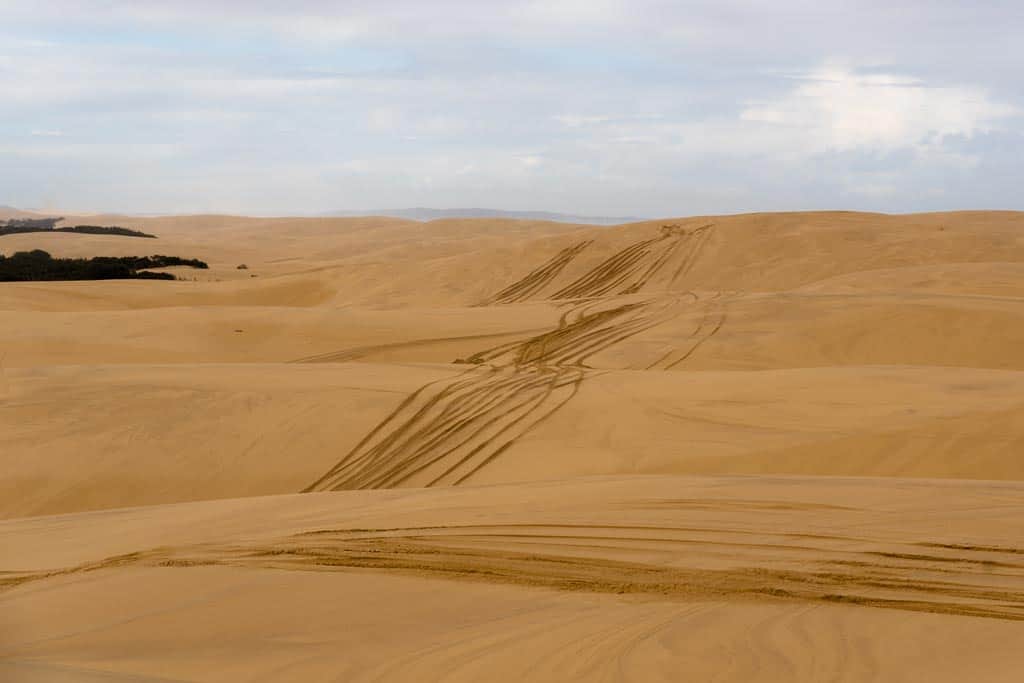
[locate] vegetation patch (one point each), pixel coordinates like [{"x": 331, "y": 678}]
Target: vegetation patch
[
  {"x": 38, "y": 265},
  {"x": 18, "y": 226}
]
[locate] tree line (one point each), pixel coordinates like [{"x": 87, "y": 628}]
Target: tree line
[
  {"x": 15, "y": 227},
  {"x": 38, "y": 265}
]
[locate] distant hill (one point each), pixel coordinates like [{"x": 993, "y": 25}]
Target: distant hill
[
  {"x": 11, "y": 212},
  {"x": 420, "y": 213}
]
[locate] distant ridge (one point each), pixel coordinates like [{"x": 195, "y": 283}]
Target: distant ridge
[
  {"x": 8, "y": 212},
  {"x": 11, "y": 212},
  {"x": 420, "y": 213}
]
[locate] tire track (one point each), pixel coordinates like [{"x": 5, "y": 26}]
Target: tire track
[
  {"x": 631, "y": 269},
  {"x": 673, "y": 561},
  {"x": 723, "y": 559},
  {"x": 699, "y": 239},
  {"x": 538, "y": 278},
  {"x": 355, "y": 353},
  {"x": 710, "y": 324},
  {"x": 671, "y": 567},
  {"x": 448, "y": 430},
  {"x": 581, "y": 333},
  {"x": 611, "y": 273}
]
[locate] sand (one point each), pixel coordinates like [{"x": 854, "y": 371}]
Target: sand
[{"x": 756, "y": 447}]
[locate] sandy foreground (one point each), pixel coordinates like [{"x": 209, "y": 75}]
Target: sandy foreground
[{"x": 761, "y": 447}]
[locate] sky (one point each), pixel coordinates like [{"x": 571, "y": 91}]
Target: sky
[{"x": 596, "y": 107}]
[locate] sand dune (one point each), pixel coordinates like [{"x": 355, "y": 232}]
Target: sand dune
[
  {"x": 768, "y": 446},
  {"x": 88, "y": 437},
  {"x": 609, "y": 579}
]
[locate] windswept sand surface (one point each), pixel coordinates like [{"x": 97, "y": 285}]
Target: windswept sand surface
[{"x": 761, "y": 447}]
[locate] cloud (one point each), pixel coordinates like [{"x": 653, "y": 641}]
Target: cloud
[
  {"x": 641, "y": 107},
  {"x": 577, "y": 120},
  {"x": 835, "y": 107}
]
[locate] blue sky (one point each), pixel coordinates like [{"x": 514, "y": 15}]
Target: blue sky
[{"x": 598, "y": 107}]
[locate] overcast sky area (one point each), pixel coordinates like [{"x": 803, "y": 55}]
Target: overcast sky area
[{"x": 640, "y": 108}]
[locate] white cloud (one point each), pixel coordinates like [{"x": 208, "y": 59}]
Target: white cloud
[
  {"x": 575, "y": 11},
  {"x": 531, "y": 160},
  {"x": 573, "y": 105},
  {"x": 577, "y": 120},
  {"x": 320, "y": 29},
  {"x": 383, "y": 119},
  {"x": 358, "y": 166},
  {"x": 107, "y": 152},
  {"x": 834, "y": 107}
]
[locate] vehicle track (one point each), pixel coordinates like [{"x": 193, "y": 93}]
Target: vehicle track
[
  {"x": 583, "y": 330},
  {"x": 698, "y": 240},
  {"x": 674, "y": 561},
  {"x": 448, "y": 430},
  {"x": 358, "y": 352},
  {"x": 633, "y": 268},
  {"x": 538, "y": 278},
  {"x": 628, "y": 271},
  {"x": 710, "y": 324},
  {"x": 746, "y": 558}
]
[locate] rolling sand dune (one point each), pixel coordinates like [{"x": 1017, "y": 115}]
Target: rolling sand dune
[
  {"x": 639, "y": 578},
  {"x": 756, "y": 447}
]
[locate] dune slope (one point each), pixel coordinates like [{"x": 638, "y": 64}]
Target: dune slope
[
  {"x": 596, "y": 579},
  {"x": 769, "y": 446}
]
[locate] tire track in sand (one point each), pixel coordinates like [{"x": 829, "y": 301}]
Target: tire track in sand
[
  {"x": 538, "y": 278},
  {"x": 446, "y": 431},
  {"x": 720, "y": 557},
  {"x": 629, "y": 270}
]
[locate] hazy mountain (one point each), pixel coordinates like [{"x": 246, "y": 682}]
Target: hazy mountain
[
  {"x": 420, "y": 213},
  {"x": 9, "y": 212}
]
